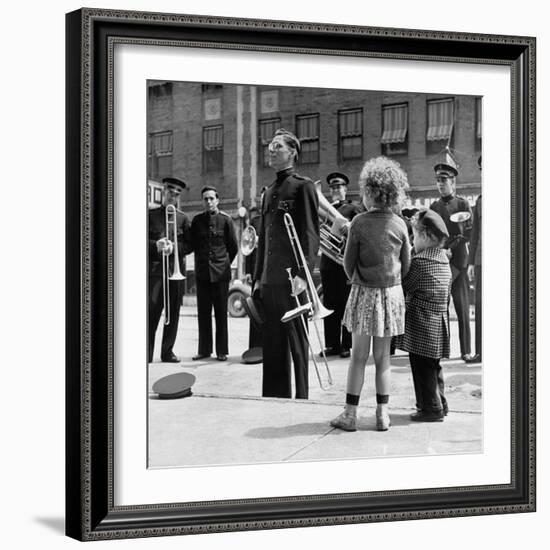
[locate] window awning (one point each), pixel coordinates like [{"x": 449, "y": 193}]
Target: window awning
[
  {"x": 440, "y": 119},
  {"x": 213, "y": 138},
  {"x": 395, "y": 124},
  {"x": 351, "y": 123},
  {"x": 308, "y": 126},
  {"x": 478, "y": 117}
]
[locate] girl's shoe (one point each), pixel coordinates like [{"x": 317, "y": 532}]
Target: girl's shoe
[
  {"x": 347, "y": 420},
  {"x": 382, "y": 420}
]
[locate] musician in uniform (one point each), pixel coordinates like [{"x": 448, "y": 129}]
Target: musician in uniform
[
  {"x": 159, "y": 245},
  {"x": 456, "y": 247},
  {"x": 215, "y": 246},
  {"x": 333, "y": 277},
  {"x": 474, "y": 272},
  {"x": 296, "y": 195},
  {"x": 254, "y": 334}
]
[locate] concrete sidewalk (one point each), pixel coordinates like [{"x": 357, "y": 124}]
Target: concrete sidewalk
[{"x": 226, "y": 421}]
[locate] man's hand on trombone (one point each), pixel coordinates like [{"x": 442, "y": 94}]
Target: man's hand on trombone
[
  {"x": 165, "y": 246},
  {"x": 298, "y": 285}
]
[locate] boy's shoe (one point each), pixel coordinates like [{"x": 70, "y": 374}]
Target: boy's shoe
[{"x": 423, "y": 416}]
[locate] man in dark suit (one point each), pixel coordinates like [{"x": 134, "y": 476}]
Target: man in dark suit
[
  {"x": 296, "y": 195},
  {"x": 215, "y": 246},
  {"x": 161, "y": 244},
  {"x": 457, "y": 246},
  {"x": 335, "y": 283}
]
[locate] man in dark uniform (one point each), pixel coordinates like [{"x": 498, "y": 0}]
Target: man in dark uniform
[
  {"x": 296, "y": 195},
  {"x": 254, "y": 334},
  {"x": 335, "y": 283},
  {"x": 159, "y": 244},
  {"x": 457, "y": 246},
  {"x": 215, "y": 246},
  {"x": 474, "y": 272}
]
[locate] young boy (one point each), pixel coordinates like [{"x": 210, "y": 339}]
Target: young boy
[{"x": 427, "y": 338}]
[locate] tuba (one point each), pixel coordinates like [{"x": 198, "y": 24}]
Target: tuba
[{"x": 333, "y": 228}]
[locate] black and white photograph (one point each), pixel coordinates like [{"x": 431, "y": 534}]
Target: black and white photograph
[
  {"x": 278, "y": 265},
  {"x": 314, "y": 274}
]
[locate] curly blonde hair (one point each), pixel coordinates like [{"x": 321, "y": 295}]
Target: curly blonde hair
[{"x": 384, "y": 181}]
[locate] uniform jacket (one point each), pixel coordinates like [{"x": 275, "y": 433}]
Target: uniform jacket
[
  {"x": 296, "y": 195},
  {"x": 427, "y": 288},
  {"x": 349, "y": 210},
  {"x": 215, "y": 245},
  {"x": 157, "y": 230},
  {"x": 459, "y": 234},
  {"x": 475, "y": 240}
]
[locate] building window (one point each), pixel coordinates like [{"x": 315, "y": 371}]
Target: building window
[
  {"x": 267, "y": 128},
  {"x": 440, "y": 124},
  {"x": 478, "y": 124},
  {"x": 212, "y": 149},
  {"x": 395, "y": 122},
  {"x": 160, "y": 90},
  {"x": 350, "y": 134},
  {"x": 212, "y": 88},
  {"x": 160, "y": 155},
  {"x": 308, "y": 134}
]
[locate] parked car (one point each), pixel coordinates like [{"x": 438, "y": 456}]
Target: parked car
[{"x": 239, "y": 291}]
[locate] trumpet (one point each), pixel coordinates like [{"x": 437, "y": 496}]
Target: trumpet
[
  {"x": 313, "y": 306},
  {"x": 171, "y": 226}
]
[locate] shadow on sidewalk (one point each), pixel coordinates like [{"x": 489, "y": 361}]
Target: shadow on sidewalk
[{"x": 305, "y": 428}]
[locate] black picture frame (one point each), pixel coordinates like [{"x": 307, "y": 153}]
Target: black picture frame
[{"x": 90, "y": 511}]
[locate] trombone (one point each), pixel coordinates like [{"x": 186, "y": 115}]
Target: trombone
[
  {"x": 314, "y": 306},
  {"x": 171, "y": 225}
]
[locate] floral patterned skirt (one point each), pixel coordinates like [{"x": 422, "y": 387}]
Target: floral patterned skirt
[{"x": 375, "y": 311}]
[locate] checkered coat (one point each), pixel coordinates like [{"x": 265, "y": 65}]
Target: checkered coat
[{"x": 427, "y": 288}]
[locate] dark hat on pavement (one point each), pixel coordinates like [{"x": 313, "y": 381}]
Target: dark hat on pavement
[
  {"x": 290, "y": 139},
  {"x": 337, "y": 178},
  {"x": 433, "y": 222},
  {"x": 174, "y": 181}
]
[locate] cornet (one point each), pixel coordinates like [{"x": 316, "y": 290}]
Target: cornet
[{"x": 171, "y": 226}]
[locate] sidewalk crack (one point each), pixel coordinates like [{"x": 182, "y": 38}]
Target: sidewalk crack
[{"x": 290, "y": 456}]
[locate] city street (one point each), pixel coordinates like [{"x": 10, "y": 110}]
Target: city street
[{"x": 226, "y": 421}]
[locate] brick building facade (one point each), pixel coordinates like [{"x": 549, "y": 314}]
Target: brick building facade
[{"x": 216, "y": 134}]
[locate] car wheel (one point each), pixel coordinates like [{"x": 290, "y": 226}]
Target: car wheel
[{"x": 235, "y": 304}]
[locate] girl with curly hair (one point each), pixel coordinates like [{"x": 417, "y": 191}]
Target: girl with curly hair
[{"x": 376, "y": 258}]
